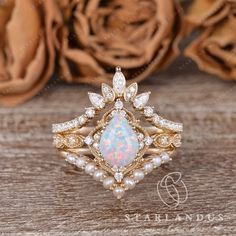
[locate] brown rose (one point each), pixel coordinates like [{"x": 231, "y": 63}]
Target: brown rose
[
  {"x": 215, "y": 49},
  {"x": 26, "y": 53},
  {"x": 140, "y": 36}
]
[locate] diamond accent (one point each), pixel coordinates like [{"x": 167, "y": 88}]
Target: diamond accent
[
  {"x": 131, "y": 92},
  {"x": 72, "y": 140},
  {"x": 119, "y": 83},
  {"x": 177, "y": 140},
  {"x": 167, "y": 124},
  {"x": 88, "y": 140},
  {"x": 118, "y": 176},
  {"x": 119, "y": 105},
  {"x": 141, "y": 100},
  {"x": 108, "y": 93},
  {"x": 90, "y": 112},
  {"x": 58, "y": 141},
  {"x": 97, "y": 100},
  {"x": 148, "y": 111}
]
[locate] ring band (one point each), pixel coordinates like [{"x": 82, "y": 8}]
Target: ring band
[{"x": 123, "y": 146}]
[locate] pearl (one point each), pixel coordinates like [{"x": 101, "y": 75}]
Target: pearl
[
  {"x": 119, "y": 192},
  {"x": 148, "y": 167},
  {"x": 108, "y": 182},
  {"x": 156, "y": 161},
  {"x": 99, "y": 175},
  {"x": 165, "y": 157},
  {"x": 138, "y": 175},
  {"x": 129, "y": 183},
  {"x": 81, "y": 162},
  {"x": 90, "y": 168}
]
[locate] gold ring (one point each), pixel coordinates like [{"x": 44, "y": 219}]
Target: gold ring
[{"x": 123, "y": 146}]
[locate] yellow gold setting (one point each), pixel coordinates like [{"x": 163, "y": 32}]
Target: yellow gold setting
[{"x": 136, "y": 148}]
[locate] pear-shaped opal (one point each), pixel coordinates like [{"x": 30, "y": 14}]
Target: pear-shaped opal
[{"x": 119, "y": 143}]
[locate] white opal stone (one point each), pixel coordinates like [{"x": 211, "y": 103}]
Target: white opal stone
[{"x": 119, "y": 143}]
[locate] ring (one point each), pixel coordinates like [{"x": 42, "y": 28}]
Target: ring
[{"x": 128, "y": 140}]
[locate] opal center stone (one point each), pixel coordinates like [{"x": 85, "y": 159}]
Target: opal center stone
[{"x": 119, "y": 143}]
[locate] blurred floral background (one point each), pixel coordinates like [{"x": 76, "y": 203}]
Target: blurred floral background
[{"x": 82, "y": 41}]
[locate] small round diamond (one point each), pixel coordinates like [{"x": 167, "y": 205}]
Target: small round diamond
[
  {"x": 140, "y": 136},
  {"x": 119, "y": 105},
  {"x": 163, "y": 141},
  {"x": 177, "y": 140},
  {"x": 90, "y": 112},
  {"x": 82, "y": 120},
  {"x": 72, "y": 140},
  {"x": 57, "y": 141},
  {"x": 148, "y": 111}
]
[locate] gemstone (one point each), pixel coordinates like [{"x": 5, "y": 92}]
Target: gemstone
[
  {"x": 88, "y": 140},
  {"x": 90, "y": 112},
  {"x": 97, "y": 100},
  {"x": 131, "y": 92},
  {"x": 119, "y": 83},
  {"x": 108, "y": 93},
  {"x": 148, "y": 111},
  {"x": 58, "y": 141},
  {"x": 119, "y": 143},
  {"x": 118, "y": 176},
  {"x": 141, "y": 100},
  {"x": 119, "y": 105},
  {"x": 72, "y": 140}
]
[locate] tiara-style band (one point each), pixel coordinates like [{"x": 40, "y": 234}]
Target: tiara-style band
[{"x": 128, "y": 141}]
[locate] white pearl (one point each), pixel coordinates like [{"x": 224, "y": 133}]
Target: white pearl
[
  {"x": 129, "y": 183},
  {"x": 108, "y": 182},
  {"x": 156, "y": 161},
  {"x": 90, "y": 168},
  {"x": 99, "y": 175},
  {"x": 81, "y": 162},
  {"x": 148, "y": 167},
  {"x": 165, "y": 157},
  {"x": 138, "y": 175},
  {"x": 119, "y": 192}
]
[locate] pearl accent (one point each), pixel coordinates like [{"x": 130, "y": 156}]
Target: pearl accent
[
  {"x": 138, "y": 175},
  {"x": 108, "y": 182},
  {"x": 148, "y": 167},
  {"x": 119, "y": 192},
  {"x": 165, "y": 157},
  {"x": 156, "y": 161},
  {"x": 99, "y": 175},
  {"x": 129, "y": 183},
  {"x": 90, "y": 168},
  {"x": 81, "y": 161}
]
